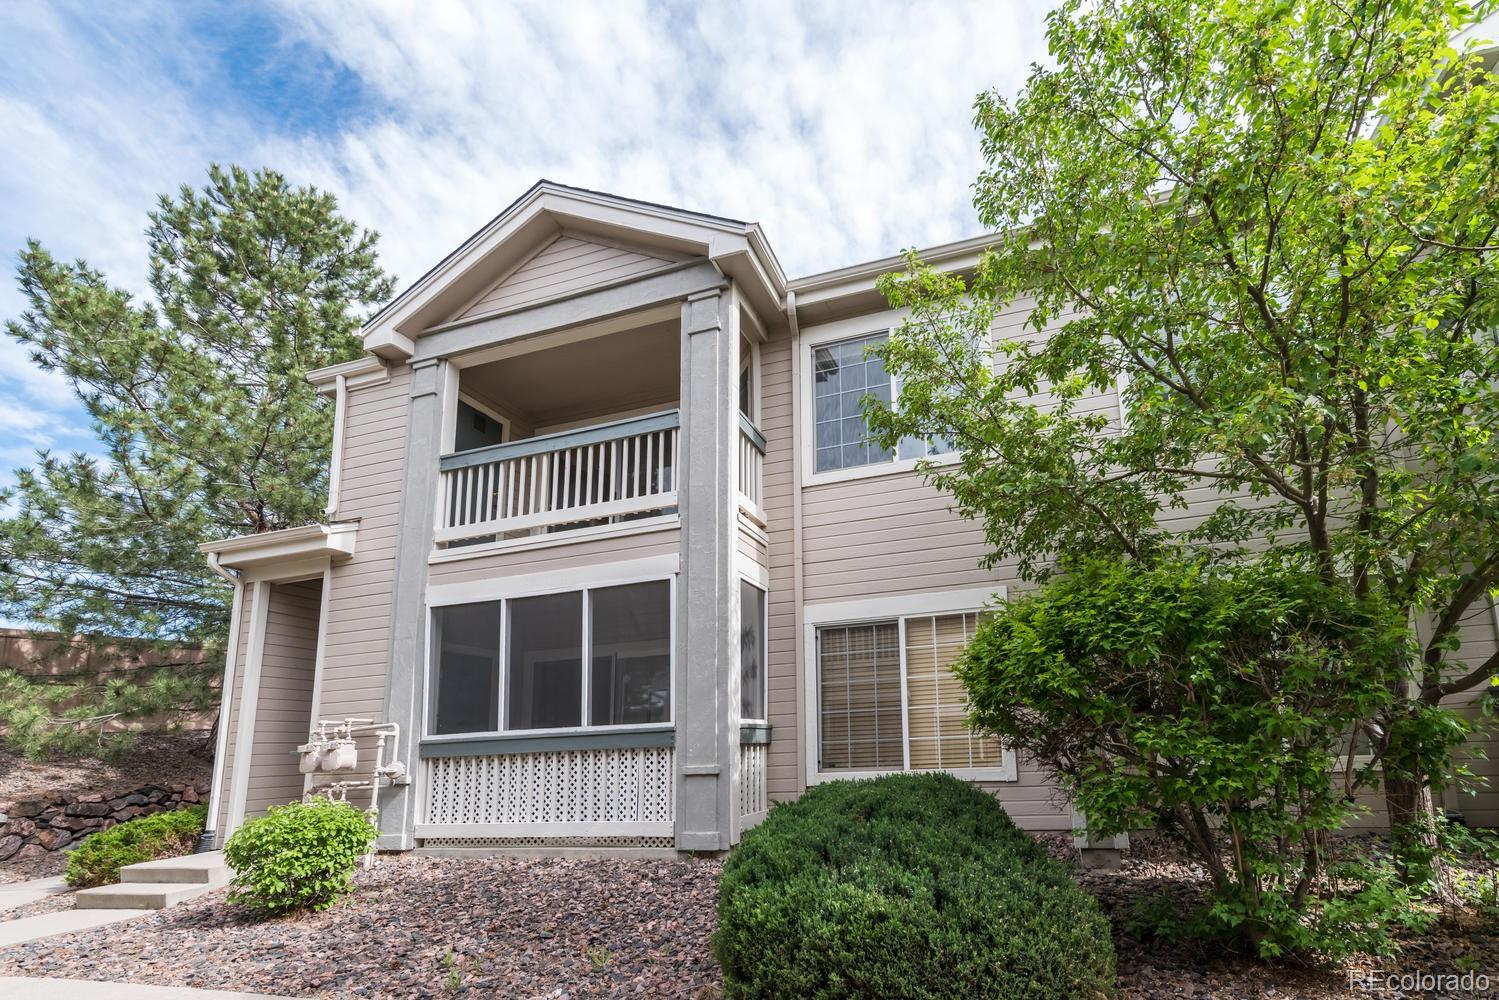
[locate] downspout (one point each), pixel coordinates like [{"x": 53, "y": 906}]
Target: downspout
[
  {"x": 226, "y": 695},
  {"x": 336, "y": 458},
  {"x": 804, "y": 725}
]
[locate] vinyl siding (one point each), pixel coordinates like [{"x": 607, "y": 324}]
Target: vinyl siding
[
  {"x": 362, "y": 589},
  {"x": 284, "y": 707},
  {"x": 575, "y": 555},
  {"x": 564, "y": 267},
  {"x": 784, "y": 758}
]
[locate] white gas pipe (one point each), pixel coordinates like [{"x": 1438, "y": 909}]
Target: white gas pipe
[{"x": 332, "y": 749}]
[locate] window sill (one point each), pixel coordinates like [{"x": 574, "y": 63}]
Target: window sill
[
  {"x": 1006, "y": 772},
  {"x": 622, "y": 738},
  {"x": 903, "y": 467},
  {"x": 754, "y": 732}
]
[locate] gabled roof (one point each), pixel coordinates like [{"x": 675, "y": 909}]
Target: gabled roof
[{"x": 548, "y": 213}]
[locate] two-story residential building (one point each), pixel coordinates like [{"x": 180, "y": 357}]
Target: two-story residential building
[{"x": 608, "y": 554}]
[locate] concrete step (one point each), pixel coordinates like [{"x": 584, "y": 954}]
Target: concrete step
[
  {"x": 196, "y": 869},
  {"x": 138, "y": 895}
]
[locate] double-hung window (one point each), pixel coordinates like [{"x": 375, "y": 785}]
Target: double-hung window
[
  {"x": 887, "y": 699},
  {"x": 751, "y": 652},
  {"x": 594, "y": 657},
  {"x": 844, "y": 373}
]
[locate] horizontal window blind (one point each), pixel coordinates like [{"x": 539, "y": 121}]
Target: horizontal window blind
[{"x": 859, "y": 677}]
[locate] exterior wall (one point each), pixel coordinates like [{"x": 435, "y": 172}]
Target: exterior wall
[
  {"x": 564, "y": 267},
  {"x": 284, "y": 708},
  {"x": 784, "y": 756},
  {"x": 578, "y": 555},
  {"x": 362, "y": 590},
  {"x": 231, "y": 714}
]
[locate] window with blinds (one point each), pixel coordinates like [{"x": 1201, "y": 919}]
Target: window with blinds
[
  {"x": 859, "y": 686},
  {"x": 888, "y": 699}
]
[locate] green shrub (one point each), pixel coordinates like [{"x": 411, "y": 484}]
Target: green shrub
[
  {"x": 297, "y": 857},
  {"x": 904, "y": 886},
  {"x": 1215, "y": 704},
  {"x": 99, "y": 858}
]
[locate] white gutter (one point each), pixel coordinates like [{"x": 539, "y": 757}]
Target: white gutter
[
  {"x": 226, "y": 695},
  {"x": 336, "y": 459}
]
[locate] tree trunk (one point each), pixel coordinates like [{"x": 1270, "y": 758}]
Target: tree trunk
[{"x": 1414, "y": 822}]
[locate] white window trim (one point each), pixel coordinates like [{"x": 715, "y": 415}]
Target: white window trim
[
  {"x": 545, "y": 587},
  {"x": 883, "y": 609},
  {"x": 832, "y": 333}
]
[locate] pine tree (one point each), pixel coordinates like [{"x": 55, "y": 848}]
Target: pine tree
[{"x": 207, "y": 425}]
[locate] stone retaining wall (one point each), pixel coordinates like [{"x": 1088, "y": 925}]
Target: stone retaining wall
[{"x": 32, "y": 827}]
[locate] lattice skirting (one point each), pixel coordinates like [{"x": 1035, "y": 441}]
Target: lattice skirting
[
  {"x": 550, "y": 796},
  {"x": 503, "y": 842},
  {"x": 754, "y": 796}
]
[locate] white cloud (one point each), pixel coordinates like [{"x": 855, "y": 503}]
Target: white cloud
[{"x": 844, "y": 129}]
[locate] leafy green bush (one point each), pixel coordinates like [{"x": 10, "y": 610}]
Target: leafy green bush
[
  {"x": 1215, "y": 703},
  {"x": 99, "y": 858},
  {"x": 912, "y": 885},
  {"x": 297, "y": 857}
]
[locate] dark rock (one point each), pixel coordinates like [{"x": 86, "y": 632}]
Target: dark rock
[
  {"x": 9, "y": 845},
  {"x": 53, "y": 839},
  {"x": 21, "y": 827},
  {"x": 135, "y": 799},
  {"x": 29, "y": 851},
  {"x": 117, "y": 804},
  {"x": 28, "y": 808},
  {"x": 83, "y": 808}
]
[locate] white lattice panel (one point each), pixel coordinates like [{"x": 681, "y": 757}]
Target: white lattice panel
[
  {"x": 754, "y": 796},
  {"x": 553, "y": 794}
]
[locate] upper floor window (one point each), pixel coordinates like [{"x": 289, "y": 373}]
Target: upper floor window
[
  {"x": 843, "y": 374},
  {"x": 596, "y": 657}
]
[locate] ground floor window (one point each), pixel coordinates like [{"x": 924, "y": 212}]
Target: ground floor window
[
  {"x": 751, "y": 652},
  {"x": 888, "y": 700},
  {"x": 522, "y": 660}
]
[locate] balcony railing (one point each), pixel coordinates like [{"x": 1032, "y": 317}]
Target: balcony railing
[
  {"x": 591, "y": 475},
  {"x": 751, "y": 462}
]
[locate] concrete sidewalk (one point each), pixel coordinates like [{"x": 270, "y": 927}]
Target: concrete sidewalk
[
  {"x": 62, "y": 922},
  {"x": 16, "y": 988},
  {"x": 14, "y": 894}
]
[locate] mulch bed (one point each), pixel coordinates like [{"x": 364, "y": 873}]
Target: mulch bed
[
  {"x": 546, "y": 928},
  {"x": 429, "y": 927}
]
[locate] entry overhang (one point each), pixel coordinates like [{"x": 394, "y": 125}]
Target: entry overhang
[{"x": 266, "y": 554}]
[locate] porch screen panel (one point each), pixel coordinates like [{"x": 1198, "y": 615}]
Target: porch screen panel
[
  {"x": 936, "y": 705},
  {"x": 545, "y": 662},
  {"x": 751, "y": 652},
  {"x": 631, "y": 653},
  {"x": 860, "y": 702},
  {"x": 467, "y": 641}
]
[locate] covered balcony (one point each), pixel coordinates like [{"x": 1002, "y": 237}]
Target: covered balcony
[{"x": 575, "y": 432}]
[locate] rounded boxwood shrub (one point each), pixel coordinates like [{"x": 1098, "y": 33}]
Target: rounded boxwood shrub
[
  {"x": 912, "y": 885},
  {"x": 297, "y": 857},
  {"x": 97, "y": 860}
]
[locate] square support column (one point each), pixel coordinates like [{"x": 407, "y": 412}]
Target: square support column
[
  {"x": 706, "y": 675},
  {"x": 431, "y": 393}
]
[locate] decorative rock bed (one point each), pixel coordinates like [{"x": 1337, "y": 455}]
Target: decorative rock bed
[{"x": 34, "y": 827}]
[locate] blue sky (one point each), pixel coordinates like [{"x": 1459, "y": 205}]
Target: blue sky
[{"x": 844, "y": 128}]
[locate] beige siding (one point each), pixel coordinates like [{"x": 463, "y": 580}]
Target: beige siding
[
  {"x": 564, "y": 267},
  {"x": 283, "y": 708},
  {"x": 359, "y": 600},
  {"x": 753, "y": 547},
  {"x": 784, "y": 760},
  {"x": 576, "y": 555}
]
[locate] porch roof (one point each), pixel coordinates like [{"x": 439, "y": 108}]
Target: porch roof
[{"x": 289, "y": 547}]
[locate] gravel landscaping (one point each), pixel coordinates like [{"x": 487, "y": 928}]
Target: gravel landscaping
[
  {"x": 518, "y": 927},
  {"x": 427, "y": 927}
]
